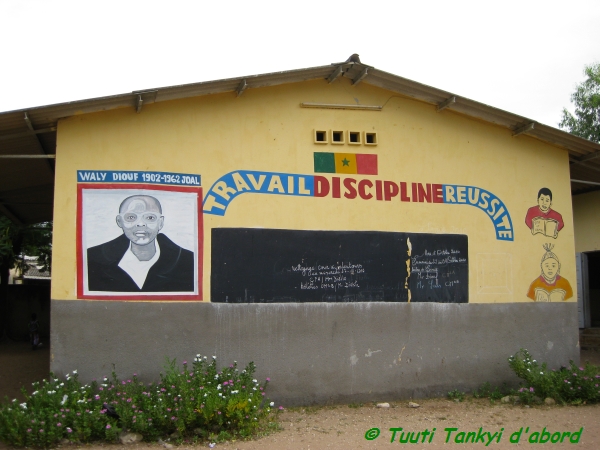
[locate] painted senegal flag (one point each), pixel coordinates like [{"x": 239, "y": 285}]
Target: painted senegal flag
[{"x": 351, "y": 163}]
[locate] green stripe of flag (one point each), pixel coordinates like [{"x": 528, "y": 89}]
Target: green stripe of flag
[{"x": 324, "y": 162}]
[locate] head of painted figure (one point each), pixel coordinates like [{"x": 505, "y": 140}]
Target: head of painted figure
[
  {"x": 140, "y": 217},
  {"x": 550, "y": 264},
  {"x": 545, "y": 199}
]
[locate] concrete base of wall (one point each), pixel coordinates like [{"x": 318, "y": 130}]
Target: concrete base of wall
[{"x": 318, "y": 353}]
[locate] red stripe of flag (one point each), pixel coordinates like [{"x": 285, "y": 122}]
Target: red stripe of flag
[{"x": 366, "y": 164}]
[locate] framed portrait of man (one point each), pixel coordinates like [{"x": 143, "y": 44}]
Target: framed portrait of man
[{"x": 139, "y": 242}]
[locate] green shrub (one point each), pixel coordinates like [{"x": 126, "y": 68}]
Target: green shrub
[
  {"x": 199, "y": 400},
  {"x": 486, "y": 391},
  {"x": 570, "y": 384},
  {"x": 456, "y": 395}
]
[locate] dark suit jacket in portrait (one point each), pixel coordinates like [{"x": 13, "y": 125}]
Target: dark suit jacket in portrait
[{"x": 173, "y": 272}]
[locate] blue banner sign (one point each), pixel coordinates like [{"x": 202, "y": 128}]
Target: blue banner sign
[
  {"x": 487, "y": 202},
  {"x": 239, "y": 182},
  {"x": 110, "y": 176}
]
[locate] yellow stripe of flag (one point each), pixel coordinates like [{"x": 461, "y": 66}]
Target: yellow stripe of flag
[{"x": 345, "y": 163}]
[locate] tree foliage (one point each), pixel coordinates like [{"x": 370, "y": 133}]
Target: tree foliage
[
  {"x": 18, "y": 241},
  {"x": 586, "y": 98}
]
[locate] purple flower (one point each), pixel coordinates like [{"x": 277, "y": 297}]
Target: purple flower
[
  {"x": 97, "y": 397},
  {"x": 108, "y": 427},
  {"x": 69, "y": 430},
  {"x": 218, "y": 412},
  {"x": 173, "y": 418},
  {"x": 185, "y": 362},
  {"x": 281, "y": 408},
  {"x": 59, "y": 424},
  {"x": 41, "y": 430},
  {"x": 530, "y": 389},
  {"x": 123, "y": 382},
  {"x": 268, "y": 379},
  {"x": 29, "y": 430}
]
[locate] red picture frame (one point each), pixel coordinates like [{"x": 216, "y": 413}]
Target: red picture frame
[{"x": 84, "y": 293}]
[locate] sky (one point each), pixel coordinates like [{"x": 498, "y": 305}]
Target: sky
[{"x": 525, "y": 56}]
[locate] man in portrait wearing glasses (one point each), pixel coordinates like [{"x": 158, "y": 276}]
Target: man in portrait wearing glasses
[{"x": 142, "y": 259}]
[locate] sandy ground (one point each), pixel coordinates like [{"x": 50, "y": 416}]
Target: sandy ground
[{"x": 344, "y": 427}]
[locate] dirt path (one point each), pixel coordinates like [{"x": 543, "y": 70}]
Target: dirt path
[{"x": 343, "y": 427}]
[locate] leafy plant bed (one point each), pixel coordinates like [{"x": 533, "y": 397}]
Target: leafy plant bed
[
  {"x": 568, "y": 384},
  {"x": 197, "y": 401}
]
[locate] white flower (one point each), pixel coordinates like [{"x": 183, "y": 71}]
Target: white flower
[
  {"x": 56, "y": 380},
  {"x": 61, "y": 384},
  {"x": 204, "y": 358},
  {"x": 34, "y": 392},
  {"x": 272, "y": 404},
  {"x": 214, "y": 357},
  {"x": 249, "y": 400},
  {"x": 23, "y": 405},
  {"x": 65, "y": 397},
  {"x": 14, "y": 400},
  {"x": 75, "y": 372},
  {"x": 198, "y": 355},
  {"x": 254, "y": 381},
  {"x": 218, "y": 386},
  {"x": 220, "y": 395}
]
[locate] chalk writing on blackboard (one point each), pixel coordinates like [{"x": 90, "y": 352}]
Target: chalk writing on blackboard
[
  {"x": 330, "y": 276},
  {"x": 291, "y": 266}
]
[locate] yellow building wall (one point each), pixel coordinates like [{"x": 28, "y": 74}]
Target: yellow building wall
[
  {"x": 586, "y": 218},
  {"x": 265, "y": 129}
]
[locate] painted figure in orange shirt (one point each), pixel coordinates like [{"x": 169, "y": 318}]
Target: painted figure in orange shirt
[{"x": 550, "y": 286}]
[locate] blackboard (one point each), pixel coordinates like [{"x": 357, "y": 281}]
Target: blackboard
[{"x": 281, "y": 266}]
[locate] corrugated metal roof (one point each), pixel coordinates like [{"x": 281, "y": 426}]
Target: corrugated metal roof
[{"x": 27, "y": 185}]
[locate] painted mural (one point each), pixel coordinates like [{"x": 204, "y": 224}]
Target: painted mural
[
  {"x": 542, "y": 219},
  {"x": 550, "y": 286},
  {"x": 139, "y": 241},
  {"x": 233, "y": 184}
]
